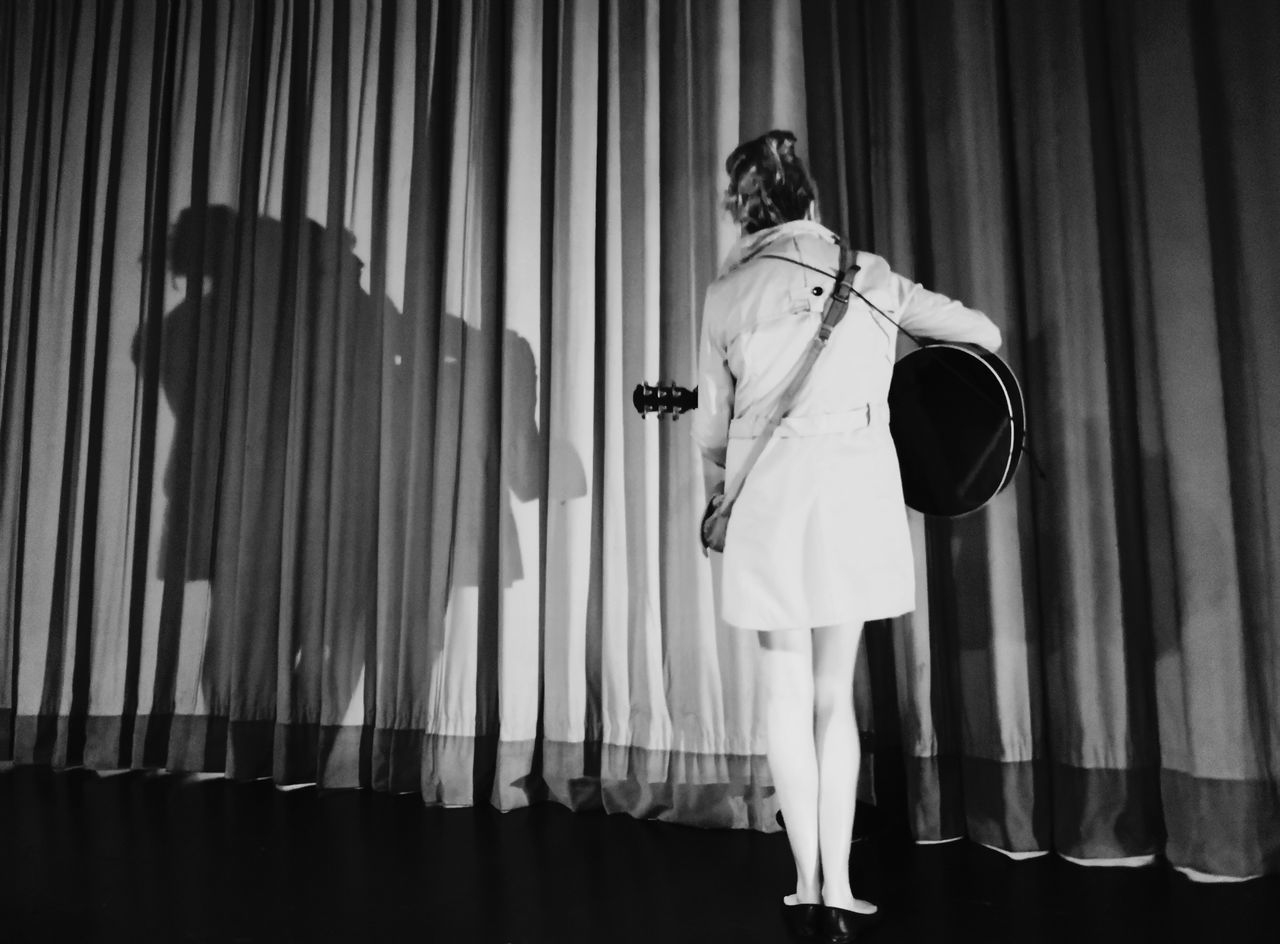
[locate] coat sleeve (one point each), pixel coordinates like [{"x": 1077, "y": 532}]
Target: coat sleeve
[
  {"x": 931, "y": 315},
  {"x": 715, "y": 387}
]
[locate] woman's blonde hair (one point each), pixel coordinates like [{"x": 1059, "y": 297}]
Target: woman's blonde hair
[{"x": 768, "y": 183}]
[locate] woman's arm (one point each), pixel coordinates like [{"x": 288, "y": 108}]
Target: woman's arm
[
  {"x": 715, "y": 389},
  {"x": 928, "y": 314}
]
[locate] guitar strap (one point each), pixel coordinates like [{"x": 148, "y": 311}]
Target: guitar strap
[
  {"x": 837, "y": 302},
  {"x": 922, "y": 343}
]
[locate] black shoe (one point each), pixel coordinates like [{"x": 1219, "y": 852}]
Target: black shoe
[
  {"x": 843, "y": 927},
  {"x": 802, "y": 920}
]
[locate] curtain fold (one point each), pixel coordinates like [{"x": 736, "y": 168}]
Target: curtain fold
[{"x": 320, "y": 325}]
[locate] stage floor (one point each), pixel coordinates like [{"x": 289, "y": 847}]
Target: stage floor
[{"x": 155, "y": 858}]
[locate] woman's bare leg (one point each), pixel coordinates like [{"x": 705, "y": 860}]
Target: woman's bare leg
[
  {"x": 785, "y": 678},
  {"x": 835, "y": 651}
]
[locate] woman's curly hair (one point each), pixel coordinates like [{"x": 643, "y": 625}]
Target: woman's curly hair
[{"x": 768, "y": 183}]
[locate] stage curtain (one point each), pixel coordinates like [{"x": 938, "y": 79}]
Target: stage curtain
[
  {"x": 1092, "y": 668},
  {"x": 320, "y": 326}
]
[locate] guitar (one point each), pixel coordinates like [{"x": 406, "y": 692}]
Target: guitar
[{"x": 957, "y": 418}]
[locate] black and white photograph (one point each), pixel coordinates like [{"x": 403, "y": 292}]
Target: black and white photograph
[{"x": 625, "y": 471}]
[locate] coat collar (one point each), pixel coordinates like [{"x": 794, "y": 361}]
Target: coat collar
[{"x": 778, "y": 240}]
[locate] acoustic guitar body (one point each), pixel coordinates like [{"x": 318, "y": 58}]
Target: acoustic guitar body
[{"x": 958, "y": 421}]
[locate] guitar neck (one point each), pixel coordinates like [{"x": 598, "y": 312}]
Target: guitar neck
[{"x": 664, "y": 400}]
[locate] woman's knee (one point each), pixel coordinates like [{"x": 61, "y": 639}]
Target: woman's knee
[
  {"x": 834, "y": 659},
  {"x": 831, "y": 701},
  {"x": 785, "y": 679},
  {"x": 788, "y": 687}
]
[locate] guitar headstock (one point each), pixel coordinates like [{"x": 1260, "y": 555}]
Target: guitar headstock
[{"x": 656, "y": 398}]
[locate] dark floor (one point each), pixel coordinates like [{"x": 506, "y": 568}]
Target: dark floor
[{"x": 151, "y": 858}]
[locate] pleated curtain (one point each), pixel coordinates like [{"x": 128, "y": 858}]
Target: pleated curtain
[{"x": 319, "y": 463}]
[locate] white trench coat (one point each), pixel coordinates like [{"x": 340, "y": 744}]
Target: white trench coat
[{"x": 819, "y": 533}]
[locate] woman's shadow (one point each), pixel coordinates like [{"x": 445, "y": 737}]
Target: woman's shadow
[{"x": 294, "y": 412}]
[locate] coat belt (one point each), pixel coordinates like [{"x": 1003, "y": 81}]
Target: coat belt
[{"x": 817, "y": 424}]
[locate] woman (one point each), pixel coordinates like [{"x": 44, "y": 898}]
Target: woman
[{"x": 817, "y": 542}]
